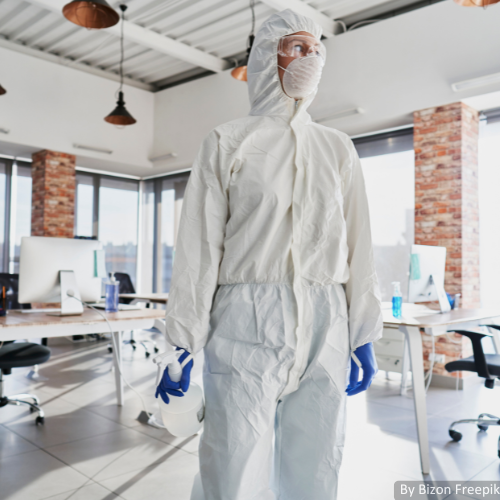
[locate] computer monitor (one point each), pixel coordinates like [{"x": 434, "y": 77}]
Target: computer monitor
[
  {"x": 426, "y": 283},
  {"x": 46, "y": 263}
]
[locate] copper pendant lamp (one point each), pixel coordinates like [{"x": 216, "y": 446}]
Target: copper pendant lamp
[
  {"x": 240, "y": 72},
  {"x": 476, "y": 3},
  {"x": 2, "y": 90},
  {"x": 91, "y": 14},
  {"x": 120, "y": 116}
]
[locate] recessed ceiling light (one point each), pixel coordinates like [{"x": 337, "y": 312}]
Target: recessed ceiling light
[{"x": 476, "y": 82}]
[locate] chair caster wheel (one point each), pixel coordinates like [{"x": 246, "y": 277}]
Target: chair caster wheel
[
  {"x": 455, "y": 435},
  {"x": 157, "y": 350},
  {"x": 40, "y": 420},
  {"x": 482, "y": 427},
  {"x": 147, "y": 354},
  {"x": 110, "y": 350},
  {"x": 134, "y": 347}
]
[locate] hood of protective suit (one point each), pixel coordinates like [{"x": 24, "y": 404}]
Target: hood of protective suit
[{"x": 266, "y": 93}]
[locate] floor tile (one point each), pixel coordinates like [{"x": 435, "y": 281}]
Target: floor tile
[
  {"x": 103, "y": 457},
  {"x": 35, "y": 475},
  {"x": 64, "y": 422},
  {"x": 12, "y": 444},
  {"x": 90, "y": 491},
  {"x": 170, "y": 477}
]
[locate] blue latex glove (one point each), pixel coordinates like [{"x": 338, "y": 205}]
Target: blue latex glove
[
  {"x": 366, "y": 356},
  {"x": 167, "y": 386}
]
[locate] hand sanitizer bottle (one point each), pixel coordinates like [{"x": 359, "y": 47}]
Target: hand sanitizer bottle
[
  {"x": 112, "y": 294},
  {"x": 397, "y": 300}
]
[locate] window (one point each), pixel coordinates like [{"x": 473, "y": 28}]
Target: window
[
  {"x": 388, "y": 164},
  {"x": 161, "y": 209},
  {"x": 4, "y": 201},
  {"x": 84, "y": 205},
  {"x": 489, "y": 208}
]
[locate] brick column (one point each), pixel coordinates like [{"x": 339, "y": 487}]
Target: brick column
[
  {"x": 446, "y": 205},
  {"x": 53, "y": 198}
]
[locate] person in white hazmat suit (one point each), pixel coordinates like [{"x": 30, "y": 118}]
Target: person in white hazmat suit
[{"x": 274, "y": 278}]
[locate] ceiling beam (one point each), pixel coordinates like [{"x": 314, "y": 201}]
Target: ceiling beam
[
  {"x": 152, "y": 40},
  {"x": 328, "y": 25}
]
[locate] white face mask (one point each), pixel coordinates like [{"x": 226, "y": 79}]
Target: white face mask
[{"x": 302, "y": 76}]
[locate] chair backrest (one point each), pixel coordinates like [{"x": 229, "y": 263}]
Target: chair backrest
[
  {"x": 126, "y": 286},
  {"x": 11, "y": 284}
]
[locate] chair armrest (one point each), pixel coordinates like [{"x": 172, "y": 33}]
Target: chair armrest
[{"x": 477, "y": 349}]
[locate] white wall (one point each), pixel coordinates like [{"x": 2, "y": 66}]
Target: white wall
[
  {"x": 389, "y": 69},
  {"x": 50, "y": 106}
]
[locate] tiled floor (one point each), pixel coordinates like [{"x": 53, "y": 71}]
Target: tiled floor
[{"x": 89, "y": 449}]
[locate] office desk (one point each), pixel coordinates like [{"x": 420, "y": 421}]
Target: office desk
[
  {"x": 434, "y": 324},
  {"x": 17, "y": 325},
  {"x": 155, "y": 298}
]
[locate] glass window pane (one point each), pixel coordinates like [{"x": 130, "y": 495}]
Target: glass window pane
[
  {"x": 489, "y": 208},
  {"x": 167, "y": 233},
  {"x": 147, "y": 237},
  {"x": 118, "y": 218},
  {"x": 84, "y": 205},
  {"x": 3, "y": 185},
  {"x": 390, "y": 186},
  {"x": 21, "y": 211}
]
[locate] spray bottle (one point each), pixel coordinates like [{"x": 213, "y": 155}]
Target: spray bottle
[
  {"x": 183, "y": 416},
  {"x": 397, "y": 300}
]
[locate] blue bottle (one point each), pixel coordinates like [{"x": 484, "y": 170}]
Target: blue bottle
[
  {"x": 112, "y": 295},
  {"x": 397, "y": 300}
]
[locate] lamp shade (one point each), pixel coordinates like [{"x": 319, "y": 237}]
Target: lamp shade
[
  {"x": 120, "y": 115},
  {"x": 91, "y": 14},
  {"x": 2, "y": 90},
  {"x": 476, "y": 3},
  {"x": 240, "y": 72}
]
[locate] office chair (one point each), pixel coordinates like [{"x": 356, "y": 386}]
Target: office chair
[
  {"x": 19, "y": 354},
  {"x": 486, "y": 366},
  {"x": 126, "y": 286}
]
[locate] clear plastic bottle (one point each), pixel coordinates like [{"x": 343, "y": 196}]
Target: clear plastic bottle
[
  {"x": 397, "y": 300},
  {"x": 112, "y": 295}
]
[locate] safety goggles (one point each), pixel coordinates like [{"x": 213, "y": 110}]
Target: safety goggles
[{"x": 300, "y": 46}]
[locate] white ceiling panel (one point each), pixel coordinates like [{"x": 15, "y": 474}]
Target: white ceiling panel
[{"x": 211, "y": 33}]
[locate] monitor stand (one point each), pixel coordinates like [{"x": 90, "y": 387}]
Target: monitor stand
[
  {"x": 444, "y": 303},
  {"x": 70, "y": 295}
]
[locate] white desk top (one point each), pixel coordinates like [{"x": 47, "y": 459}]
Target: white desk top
[{"x": 424, "y": 317}]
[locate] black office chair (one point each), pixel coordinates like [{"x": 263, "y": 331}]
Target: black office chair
[
  {"x": 486, "y": 366},
  {"x": 126, "y": 286},
  {"x": 19, "y": 354}
]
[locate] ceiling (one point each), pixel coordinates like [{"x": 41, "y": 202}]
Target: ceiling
[{"x": 166, "y": 41}]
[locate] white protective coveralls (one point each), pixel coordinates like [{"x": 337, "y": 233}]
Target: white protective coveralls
[{"x": 274, "y": 237}]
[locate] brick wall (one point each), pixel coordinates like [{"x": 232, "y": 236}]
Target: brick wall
[
  {"x": 446, "y": 205},
  {"x": 53, "y": 197}
]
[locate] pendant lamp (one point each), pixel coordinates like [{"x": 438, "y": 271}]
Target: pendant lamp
[
  {"x": 240, "y": 72},
  {"x": 476, "y": 3},
  {"x": 91, "y": 14},
  {"x": 120, "y": 116},
  {"x": 2, "y": 90}
]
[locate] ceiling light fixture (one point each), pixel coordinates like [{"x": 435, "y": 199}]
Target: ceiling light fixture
[
  {"x": 91, "y": 14},
  {"x": 166, "y": 156},
  {"x": 476, "y": 3},
  {"x": 476, "y": 82},
  {"x": 92, "y": 148},
  {"x": 2, "y": 90},
  {"x": 240, "y": 72},
  {"x": 120, "y": 116},
  {"x": 340, "y": 114}
]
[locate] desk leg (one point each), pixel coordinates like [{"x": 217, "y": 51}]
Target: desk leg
[
  {"x": 414, "y": 340},
  {"x": 117, "y": 358}
]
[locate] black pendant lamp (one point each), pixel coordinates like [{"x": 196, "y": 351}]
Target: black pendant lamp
[
  {"x": 91, "y": 14},
  {"x": 120, "y": 116},
  {"x": 2, "y": 90},
  {"x": 240, "y": 72}
]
